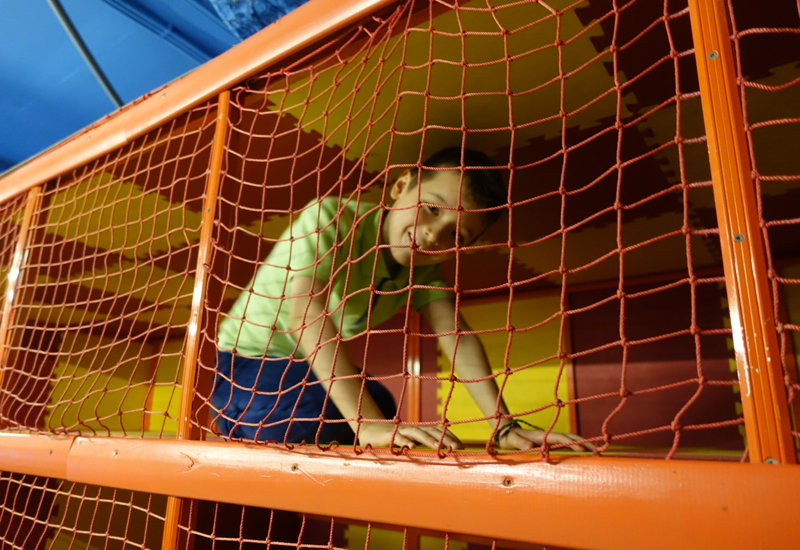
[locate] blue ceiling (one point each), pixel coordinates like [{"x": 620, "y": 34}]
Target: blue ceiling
[{"x": 47, "y": 90}]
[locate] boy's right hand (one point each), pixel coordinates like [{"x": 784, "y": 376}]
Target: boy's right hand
[
  {"x": 379, "y": 434},
  {"x": 519, "y": 438}
]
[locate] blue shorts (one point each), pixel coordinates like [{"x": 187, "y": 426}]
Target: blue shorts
[{"x": 282, "y": 408}]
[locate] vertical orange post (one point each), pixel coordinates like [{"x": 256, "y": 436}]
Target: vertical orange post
[
  {"x": 173, "y": 511},
  {"x": 411, "y": 538},
  {"x": 414, "y": 368},
  {"x": 766, "y": 413},
  {"x": 17, "y": 263}
]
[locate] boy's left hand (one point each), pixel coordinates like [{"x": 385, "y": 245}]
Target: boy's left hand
[{"x": 518, "y": 438}]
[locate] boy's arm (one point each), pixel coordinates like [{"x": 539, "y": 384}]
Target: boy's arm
[
  {"x": 316, "y": 335},
  {"x": 471, "y": 363}
]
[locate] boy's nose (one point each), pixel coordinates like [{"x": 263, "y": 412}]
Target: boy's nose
[{"x": 434, "y": 236}]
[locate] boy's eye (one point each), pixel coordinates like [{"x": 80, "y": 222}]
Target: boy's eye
[{"x": 433, "y": 209}]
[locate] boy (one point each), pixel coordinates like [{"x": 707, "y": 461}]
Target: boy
[{"x": 339, "y": 269}]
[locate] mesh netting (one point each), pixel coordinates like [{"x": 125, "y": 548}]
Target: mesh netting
[
  {"x": 220, "y": 526},
  {"x": 598, "y": 296},
  {"x": 39, "y": 513},
  {"x": 595, "y": 303},
  {"x": 767, "y": 52},
  {"x": 103, "y": 301},
  {"x": 590, "y": 114}
]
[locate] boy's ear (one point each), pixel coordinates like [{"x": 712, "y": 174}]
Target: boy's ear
[{"x": 401, "y": 184}]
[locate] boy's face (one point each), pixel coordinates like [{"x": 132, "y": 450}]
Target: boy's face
[{"x": 424, "y": 220}]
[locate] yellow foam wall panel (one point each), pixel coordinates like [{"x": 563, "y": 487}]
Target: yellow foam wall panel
[
  {"x": 98, "y": 384},
  {"x": 532, "y": 348},
  {"x": 165, "y": 402},
  {"x": 384, "y": 539}
]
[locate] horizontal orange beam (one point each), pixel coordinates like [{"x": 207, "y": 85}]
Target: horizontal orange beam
[
  {"x": 300, "y": 28},
  {"x": 38, "y": 455},
  {"x": 578, "y": 502}
]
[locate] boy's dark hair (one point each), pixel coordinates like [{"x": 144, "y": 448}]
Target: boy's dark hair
[{"x": 485, "y": 185}]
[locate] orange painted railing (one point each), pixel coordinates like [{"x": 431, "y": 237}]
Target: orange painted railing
[{"x": 575, "y": 502}]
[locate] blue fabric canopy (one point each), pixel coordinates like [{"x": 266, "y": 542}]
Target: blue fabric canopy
[
  {"x": 47, "y": 90},
  {"x": 247, "y": 17}
]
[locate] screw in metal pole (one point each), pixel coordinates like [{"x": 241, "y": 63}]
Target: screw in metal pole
[
  {"x": 739, "y": 238},
  {"x": 713, "y": 55},
  {"x": 771, "y": 461}
]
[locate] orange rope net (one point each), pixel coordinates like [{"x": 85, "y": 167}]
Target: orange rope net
[
  {"x": 589, "y": 114},
  {"x": 37, "y": 511},
  {"x": 222, "y": 526},
  {"x": 592, "y": 117},
  {"x": 104, "y": 292},
  {"x": 568, "y": 276}
]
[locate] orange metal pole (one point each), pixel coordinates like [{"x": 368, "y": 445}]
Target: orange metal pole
[
  {"x": 193, "y": 330},
  {"x": 37, "y": 455},
  {"x": 17, "y": 263},
  {"x": 414, "y": 367},
  {"x": 755, "y": 340},
  {"x": 573, "y": 502}
]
